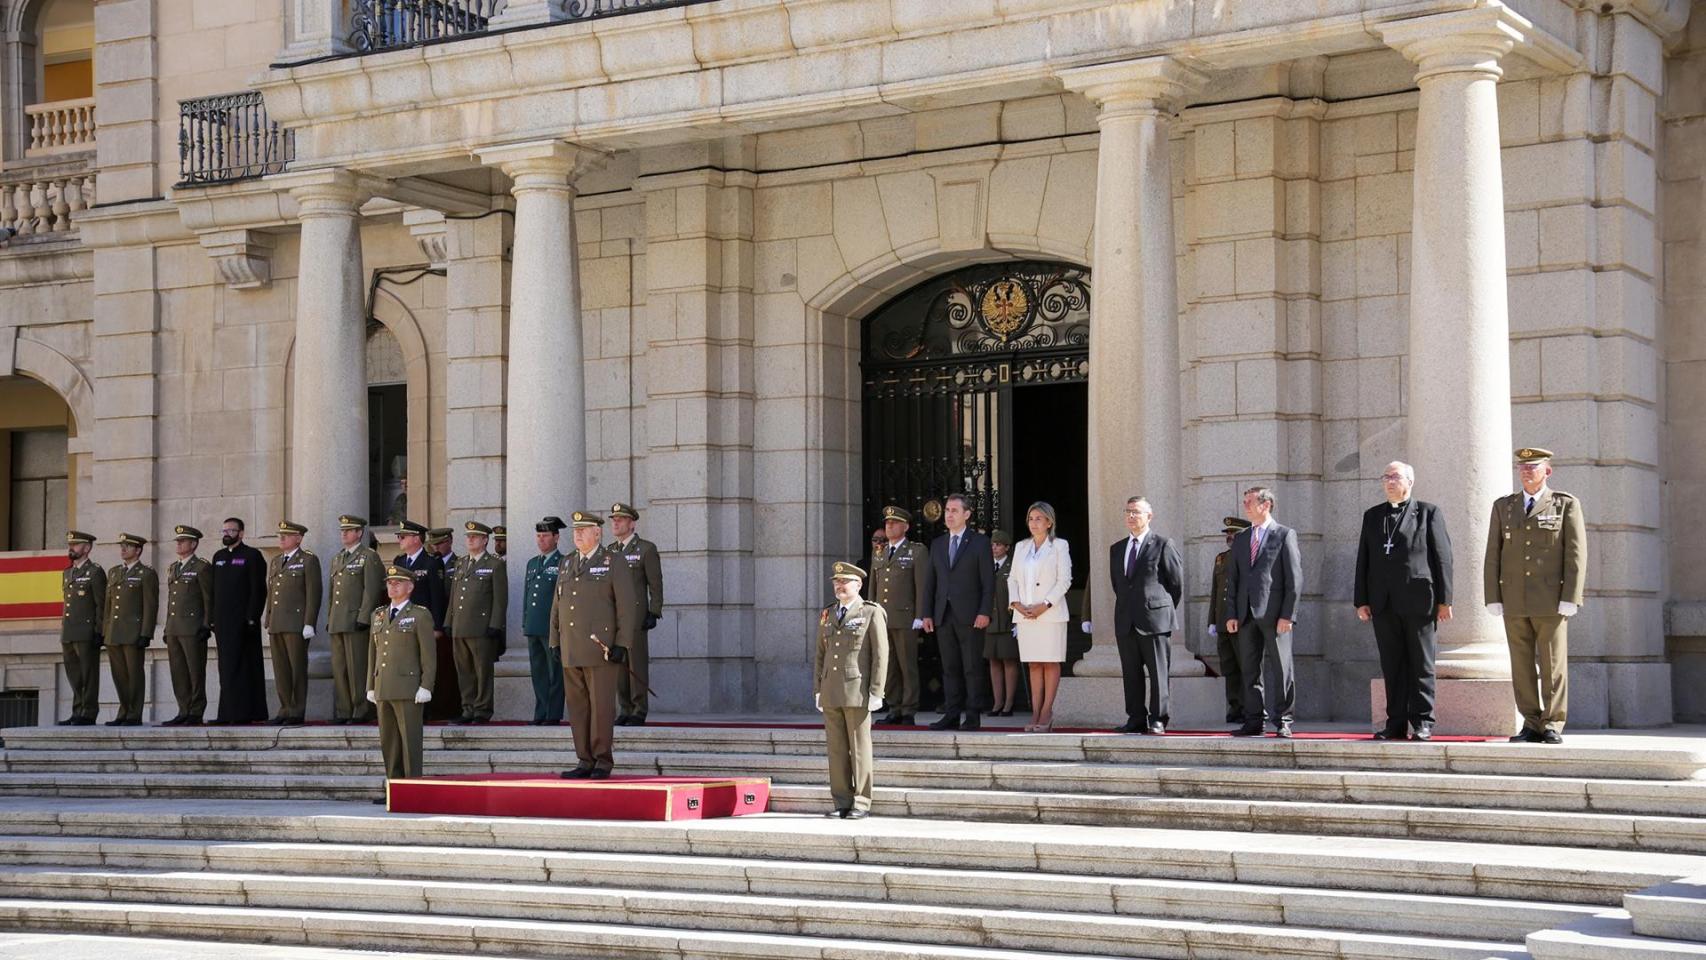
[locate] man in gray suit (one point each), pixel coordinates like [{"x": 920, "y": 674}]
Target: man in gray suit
[{"x": 1263, "y": 583}]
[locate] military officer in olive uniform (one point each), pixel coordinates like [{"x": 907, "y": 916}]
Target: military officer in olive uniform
[
  {"x": 479, "y": 597},
  {"x": 439, "y": 541},
  {"x": 357, "y": 585},
  {"x": 401, "y": 659},
  {"x": 900, "y": 580},
  {"x": 293, "y": 608},
  {"x": 1226, "y": 644},
  {"x": 500, "y": 541},
  {"x": 133, "y": 603},
  {"x": 595, "y": 616},
  {"x": 1536, "y": 579},
  {"x": 642, "y": 556},
  {"x": 431, "y": 592},
  {"x": 80, "y": 628},
  {"x": 189, "y": 625},
  {"x": 848, "y": 670},
  {"x": 544, "y": 664}
]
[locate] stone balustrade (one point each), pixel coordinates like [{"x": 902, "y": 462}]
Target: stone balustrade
[
  {"x": 61, "y": 126},
  {"x": 36, "y": 203}
]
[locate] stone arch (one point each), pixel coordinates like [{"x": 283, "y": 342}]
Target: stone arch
[
  {"x": 18, "y": 69},
  {"x": 38, "y": 361}
]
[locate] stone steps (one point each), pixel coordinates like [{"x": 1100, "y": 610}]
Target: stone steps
[
  {"x": 1676, "y": 910},
  {"x": 1607, "y": 936},
  {"x": 56, "y": 868},
  {"x": 699, "y": 911}
]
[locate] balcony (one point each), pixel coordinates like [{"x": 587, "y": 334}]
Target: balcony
[
  {"x": 60, "y": 127},
  {"x": 395, "y": 24},
  {"x": 38, "y": 201},
  {"x": 226, "y": 138}
]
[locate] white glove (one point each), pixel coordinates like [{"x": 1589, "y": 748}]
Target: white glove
[
  {"x": 918, "y": 623},
  {"x": 307, "y": 633},
  {"x": 1567, "y": 609},
  {"x": 817, "y": 701},
  {"x": 1496, "y": 609},
  {"x": 372, "y": 697},
  {"x": 423, "y": 695},
  {"x": 1084, "y": 625},
  {"x": 875, "y": 703},
  {"x": 1213, "y": 630}
]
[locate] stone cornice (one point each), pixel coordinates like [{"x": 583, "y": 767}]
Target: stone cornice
[
  {"x": 542, "y": 164},
  {"x": 142, "y": 223},
  {"x": 1151, "y": 83}
]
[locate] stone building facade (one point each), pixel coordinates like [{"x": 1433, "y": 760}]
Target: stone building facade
[{"x": 302, "y": 257}]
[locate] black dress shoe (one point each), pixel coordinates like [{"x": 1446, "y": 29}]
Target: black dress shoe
[
  {"x": 836, "y": 814},
  {"x": 1283, "y": 731},
  {"x": 461, "y": 721},
  {"x": 948, "y": 722},
  {"x": 1156, "y": 729},
  {"x": 971, "y": 722},
  {"x": 1551, "y": 736},
  {"x": 599, "y": 774},
  {"x": 905, "y": 720},
  {"x": 1131, "y": 726},
  {"x": 378, "y": 801},
  {"x": 1387, "y": 733},
  {"x": 115, "y": 722},
  {"x": 1235, "y": 718},
  {"x": 279, "y": 721},
  {"x": 175, "y": 721},
  {"x": 550, "y": 723},
  {"x": 191, "y": 722},
  {"x": 855, "y": 814},
  {"x": 578, "y": 773},
  {"x": 622, "y": 720},
  {"x": 1422, "y": 731},
  {"x": 341, "y": 720},
  {"x": 1248, "y": 730},
  {"x": 636, "y": 721},
  {"x": 1525, "y": 735},
  {"x": 295, "y": 722}
]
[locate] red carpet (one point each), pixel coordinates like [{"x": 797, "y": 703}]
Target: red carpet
[{"x": 619, "y": 798}]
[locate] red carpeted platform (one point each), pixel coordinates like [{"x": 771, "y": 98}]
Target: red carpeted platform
[{"x": 545, "y": 795}]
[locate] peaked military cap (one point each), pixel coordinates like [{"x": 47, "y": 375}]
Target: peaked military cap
[
  {"x": 409, "y": 526},
  {"x": 395, "y": 572},
  {"x": 892, "y": 512},
  {"x": 846, "y": 571},
  {"x": 287, "y": 526},
  {"x": 351, "y": 522},
  {"x": 186, "y": 532},
  {"x": 583, "y": 519},
  {"x": 475, "y": 526},
  {"x": 78, "y": 536},
  {"x": 132, "y": 540},
  {"x": 549, "y": 525},
  {"x": 500, "y": 531},
  {"x": 438, "y": 535},
  {"x": 1533, "y": 455},
  {"x": 620, "y": 509},
  {"x": 1233, "y": 524},
  {"x": 1002, "y": 536}
]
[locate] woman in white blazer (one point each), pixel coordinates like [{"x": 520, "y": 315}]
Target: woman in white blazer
[{"x": 1036, "y": 591}]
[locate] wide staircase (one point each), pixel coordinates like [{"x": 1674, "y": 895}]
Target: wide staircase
[{"x": 984, "y": 845}]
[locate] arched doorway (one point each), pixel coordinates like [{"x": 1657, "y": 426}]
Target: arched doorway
[
  {"x": 387, "y": 428},
  {"x": 35, "y": 465}
]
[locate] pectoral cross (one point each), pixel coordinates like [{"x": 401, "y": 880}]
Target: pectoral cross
[{"x": 1389, "y": 548}]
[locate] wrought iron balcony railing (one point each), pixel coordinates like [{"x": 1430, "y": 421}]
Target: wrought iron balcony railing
[
  {"x": 228, "y": 137},
  {"x": 392, "y": 24}
]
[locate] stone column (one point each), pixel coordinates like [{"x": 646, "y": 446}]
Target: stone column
[
  {"x": 545, "y": 422},
  {"x": 1458, "y": 428},
  {"x": 328, "y": 444},
  {"x": 1134, "y": 344}
]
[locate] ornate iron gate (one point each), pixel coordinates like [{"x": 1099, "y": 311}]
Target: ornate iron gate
[{"x": 940, "y": 364}]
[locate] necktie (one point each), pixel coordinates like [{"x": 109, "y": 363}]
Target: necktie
[
  {"x": 953, "y": 548},
  {"x": 1529, "y": 508},
  {"x": 1255, "y": 543},
  {"x": 393, "y": 614},
  {"x": 840, "y": 614},
  {"x": 1131, "y": 556},
  {"x": 891, "y": 551}
]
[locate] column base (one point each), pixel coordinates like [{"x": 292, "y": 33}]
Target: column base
[
  {"x": 1462, "y": 708},
  {"x": 1195, "y": 703}
]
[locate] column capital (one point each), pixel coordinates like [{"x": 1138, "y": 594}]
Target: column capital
[
  {"x": 1152, "y": 83},
  {"x": 1464, "y": 41},
  {"x": 327, "y": 193},
  {"x": 542, "y": 164}
]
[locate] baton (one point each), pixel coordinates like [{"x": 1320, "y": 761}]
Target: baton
[{"x": 629, "y": 664}]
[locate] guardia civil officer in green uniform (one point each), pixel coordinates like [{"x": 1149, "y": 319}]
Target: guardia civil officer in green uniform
[
  {"x": 544, "y": 664},
  {"x": 479, "y": 596},
  {"x": 357, "y": 586},
  {"x": 401, "y": 659},
  {"x": 1536, "y": 579},
  {"x": 133, "y": 602},
  {"x": 632, "y": 703},
  {"x": 292, "y": 610},
  {"x": 189, "y": 624},
  {"x": 80, "y": 628},
  {"x": 500, "y": 541},
  {"x": 595, "y": 615},
  {"x": 900, "y": 580},
  {"x": 847, "y": 686},
  {"x": 1226, "y": 644}
]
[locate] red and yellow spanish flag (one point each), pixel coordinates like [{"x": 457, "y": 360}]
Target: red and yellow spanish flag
[{"x": 32, "y": 587}]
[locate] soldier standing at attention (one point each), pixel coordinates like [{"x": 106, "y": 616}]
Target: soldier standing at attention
[
  {"x": 594, "y": 619},
  {"x": 544, "y": 664},
  {"x": 239, "y": 597},
  {"x": 900, "y": 580},
  {"x": 438, "y": 540},
  {"x": 431, "y": 592},
  {"x": 642, "y": 557},
  {"x": 133, "y": 602},
  {"x": 293, "y": 607},
  {"x": 80, "y": 628},
  {"x": 189, "y": 624},
  {"x": 500, "y": 541},
  {"x": 1536, "y": 579},
  {"x": 847, "y": 687},
  {"x": 479, "y": 596},
  {"x": 401, "y": 659},
  {"x": 357, "y": 586},
  {"x": 1226, "y": 644}
]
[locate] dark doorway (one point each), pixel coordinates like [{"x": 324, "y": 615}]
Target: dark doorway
[
  {"x": 1051, "y": 431},
  {"x": 387, "y": 453}
]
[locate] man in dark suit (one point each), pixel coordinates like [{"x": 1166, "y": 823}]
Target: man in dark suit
[
  {"x": 1403, "y": 585},
  {"x": 957, "y": 611},
  {"x": 239, "y": 595},
  {"x": 1147, "y": 576},
  {"x": 433, "y": 593},
  {"x": 1263, "y": 584}
]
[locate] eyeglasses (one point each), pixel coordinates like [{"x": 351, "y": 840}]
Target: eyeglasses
[{"x": 1391, "y": 476}]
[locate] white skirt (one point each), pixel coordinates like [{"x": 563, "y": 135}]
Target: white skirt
[{"x": 1041, "y": 641}]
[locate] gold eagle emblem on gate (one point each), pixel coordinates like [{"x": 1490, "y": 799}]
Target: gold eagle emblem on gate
[{"x": 1005, "y": 305}]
